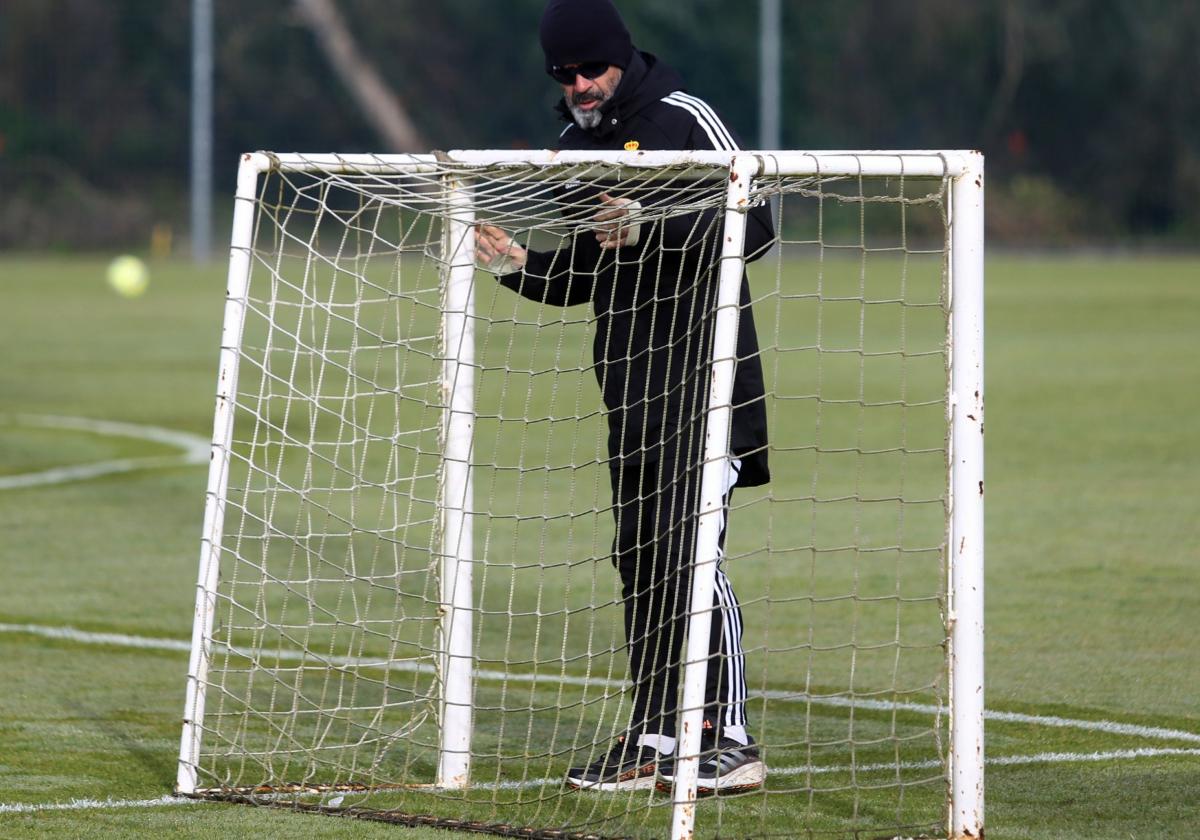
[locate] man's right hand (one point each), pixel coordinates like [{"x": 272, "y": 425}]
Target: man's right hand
[{"x": 498, "y": 252}]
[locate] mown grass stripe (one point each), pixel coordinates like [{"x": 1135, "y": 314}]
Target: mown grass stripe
[
  {"x": 999, "y": 761},
  {"x": 72, "y": 634}
]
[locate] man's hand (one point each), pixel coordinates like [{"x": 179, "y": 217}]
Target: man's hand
[
  {"x": 616, "y": 228},
  {"x": 496, "y": 251}
]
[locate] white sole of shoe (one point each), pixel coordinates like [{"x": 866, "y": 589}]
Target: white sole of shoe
[
  {"x": 747, "y": 777},
  {"x": 739, "y": 780},
  {"x": 636, "y": 783}
]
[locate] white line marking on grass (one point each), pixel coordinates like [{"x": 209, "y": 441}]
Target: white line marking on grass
[
  {"x": 998, "y": 761},
  {"x": 72, "y": 634},
  {"x": 1108, "y": 726},
  {"x": 195, "y": 449},
  {"x": 1117, "y": 755},
  {"x": 91, "y": 804}
]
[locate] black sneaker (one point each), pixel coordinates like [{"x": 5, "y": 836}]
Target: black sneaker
[
  {"x": 726, "y": 766},
  {"x": 625, "y": 767}
]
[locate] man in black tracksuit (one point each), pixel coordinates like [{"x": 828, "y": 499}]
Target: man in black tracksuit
[{"x": 650, "y": 275}]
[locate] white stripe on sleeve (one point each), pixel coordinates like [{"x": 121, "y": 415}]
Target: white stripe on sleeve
[
  {"x": 706, "y": 109},
  {"x": 708, "y": 120},
  {"x": 714, "y": 137}
]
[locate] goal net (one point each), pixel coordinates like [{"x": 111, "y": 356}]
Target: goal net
[{"x": 467, "y": 519}]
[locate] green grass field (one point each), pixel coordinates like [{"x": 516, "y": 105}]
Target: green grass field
[{"x": 1093, "y": 550}]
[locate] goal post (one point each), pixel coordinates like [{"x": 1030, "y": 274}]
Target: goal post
[
  {"x": 456, "y": 491},
  {"x": 402, "y": 604},
  {"x": 218, "y": 471},
  {"x": 965, "y": 539},
  {"x": 712, "y": 494}
]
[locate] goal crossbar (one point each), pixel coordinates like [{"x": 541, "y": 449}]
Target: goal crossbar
[{"x": 912, "y": 164}]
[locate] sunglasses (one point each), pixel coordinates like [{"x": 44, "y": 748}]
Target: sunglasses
[{"x": 589, "y": 70}]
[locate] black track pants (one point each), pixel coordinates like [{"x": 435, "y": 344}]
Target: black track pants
[{"x": 655, "y": 508}]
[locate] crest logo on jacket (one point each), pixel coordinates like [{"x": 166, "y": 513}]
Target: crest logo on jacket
[{"x": 631, "y": 145}]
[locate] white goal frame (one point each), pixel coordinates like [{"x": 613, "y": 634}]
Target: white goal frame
[{"x": 964, "y": 538}]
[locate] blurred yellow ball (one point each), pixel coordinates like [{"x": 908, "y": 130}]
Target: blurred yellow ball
[{"x": 128, "y": 276}]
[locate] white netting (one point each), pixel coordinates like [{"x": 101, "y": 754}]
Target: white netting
[{"x": 326, "y": 669}]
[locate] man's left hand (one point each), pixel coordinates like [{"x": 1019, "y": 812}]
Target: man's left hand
[{"x": 615, "y": 226}]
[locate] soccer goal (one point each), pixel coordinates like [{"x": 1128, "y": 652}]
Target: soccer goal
[{"x": 406, "y": 609}]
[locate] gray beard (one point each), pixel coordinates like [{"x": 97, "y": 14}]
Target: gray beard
[{"x": 586, "y": 120}]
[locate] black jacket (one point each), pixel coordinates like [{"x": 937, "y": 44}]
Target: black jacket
[{"x": 653, "y": 333}]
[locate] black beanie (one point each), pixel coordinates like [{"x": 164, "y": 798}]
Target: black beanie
[{"x": 579, "y": 31}]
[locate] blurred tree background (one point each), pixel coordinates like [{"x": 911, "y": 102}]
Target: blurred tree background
[{"x": 1088, "y": 110}]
